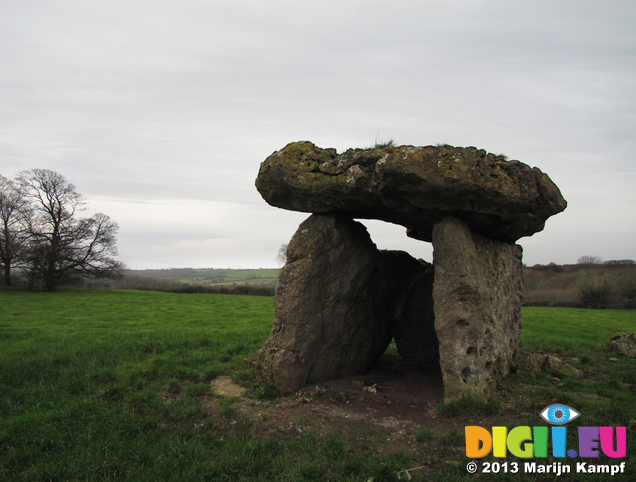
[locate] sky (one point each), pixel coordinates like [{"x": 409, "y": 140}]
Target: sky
[{"x": 160, "y": 112}]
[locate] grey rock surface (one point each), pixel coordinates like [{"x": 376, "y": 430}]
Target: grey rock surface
[
  {"x": 336, "y": 302},
  {"x": 623, "y": 344},
  {"x": 478, "y": 294},
  {"x": 414, "y": 330},
  {"x": 415, "y": 187}
]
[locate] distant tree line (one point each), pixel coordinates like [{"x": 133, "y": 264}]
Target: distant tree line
[
  {"x": 591, "y": 283},
  {"x": 594, "y": 260},
  {"x": 145, "y": 283},
  {"x": 42, "y": 239}
]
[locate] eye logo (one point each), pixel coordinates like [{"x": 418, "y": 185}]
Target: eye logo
[{"x": 558, "y": 414}]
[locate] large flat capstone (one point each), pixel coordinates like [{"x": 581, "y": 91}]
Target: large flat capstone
[{"x": 416, "y": 187}]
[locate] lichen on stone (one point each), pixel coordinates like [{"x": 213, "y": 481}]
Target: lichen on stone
[{"x": 413, "y": 186}]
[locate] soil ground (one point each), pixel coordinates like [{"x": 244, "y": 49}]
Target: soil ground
[{"x": 390, "y": 408}]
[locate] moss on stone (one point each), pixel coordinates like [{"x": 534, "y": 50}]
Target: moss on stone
[{"x": 412, "y": 186}]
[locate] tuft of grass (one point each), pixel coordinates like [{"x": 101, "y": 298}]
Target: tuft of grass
[
  {"x": 174, "y": 386},
  {"x": 264, "y": 393},
  {"x": 451, "y": 438},
  {"x": 384, "y": 145},
  {"x": 424, "y": 435},
  {"x": 197, "y": 390},
  {"x": 468, "y": 406}
]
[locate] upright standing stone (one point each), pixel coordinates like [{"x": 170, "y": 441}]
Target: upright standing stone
[
  {"x": 478, "y": 293},
  {"x": 414, "y": 331},
  {"x": 336, "y": 301}
]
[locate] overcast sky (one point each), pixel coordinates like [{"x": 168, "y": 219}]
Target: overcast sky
[{"x": 161, "y": 111}]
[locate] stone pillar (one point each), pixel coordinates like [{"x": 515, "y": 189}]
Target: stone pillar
[
  {"x": 414, "y": 330},
  {"x": 336, "y": 302},
  {"x": 478, "y": 294}
]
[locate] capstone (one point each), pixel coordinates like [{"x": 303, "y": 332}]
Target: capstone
[{"x": 415, "y": 187}]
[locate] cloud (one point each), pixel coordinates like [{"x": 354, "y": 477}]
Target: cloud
[{"x": 173, "y": 105}]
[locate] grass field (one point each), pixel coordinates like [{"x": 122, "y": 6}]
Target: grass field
[
  {"x": 86, "y": 376},
  {"x": 211, "y": 276}
]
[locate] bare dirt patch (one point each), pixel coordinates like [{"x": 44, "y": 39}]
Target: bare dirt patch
[{"x": 390, "y": 408}]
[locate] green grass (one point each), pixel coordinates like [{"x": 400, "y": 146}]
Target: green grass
[
  {"x": 573, "y": 331},
  {"x": 80, "y": 372},
  {"x": 604, "y": 391},
  {"x": 466, "y": 407},
  {"x": 103, "y": 385},
  {"x": 211, "y": 276}
]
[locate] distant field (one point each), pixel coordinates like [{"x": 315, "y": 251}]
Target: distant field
[
  {"x": 581, "y": 286},
  {"x": 114, "y": 384},
  {"x": 210, "y": 276}
]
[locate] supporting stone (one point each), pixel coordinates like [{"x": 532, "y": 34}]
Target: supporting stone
[
  {"x": 336, "y": 302},
  {"x": 414, "y": 331},
  {"x": 478, "y": 294}
]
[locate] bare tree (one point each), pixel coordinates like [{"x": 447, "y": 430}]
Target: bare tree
[
  {"x": 62, "y": 247},
  {"x": 13, "y": 212},
  {"x": 589, "y": 260},
  {"x": 282, "y": 254}
]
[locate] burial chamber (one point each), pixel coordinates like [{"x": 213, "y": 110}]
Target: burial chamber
[{"x": 340, "y": 301}]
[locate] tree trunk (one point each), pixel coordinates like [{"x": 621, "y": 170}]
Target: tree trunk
[{"x": 7, "y": 274}]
